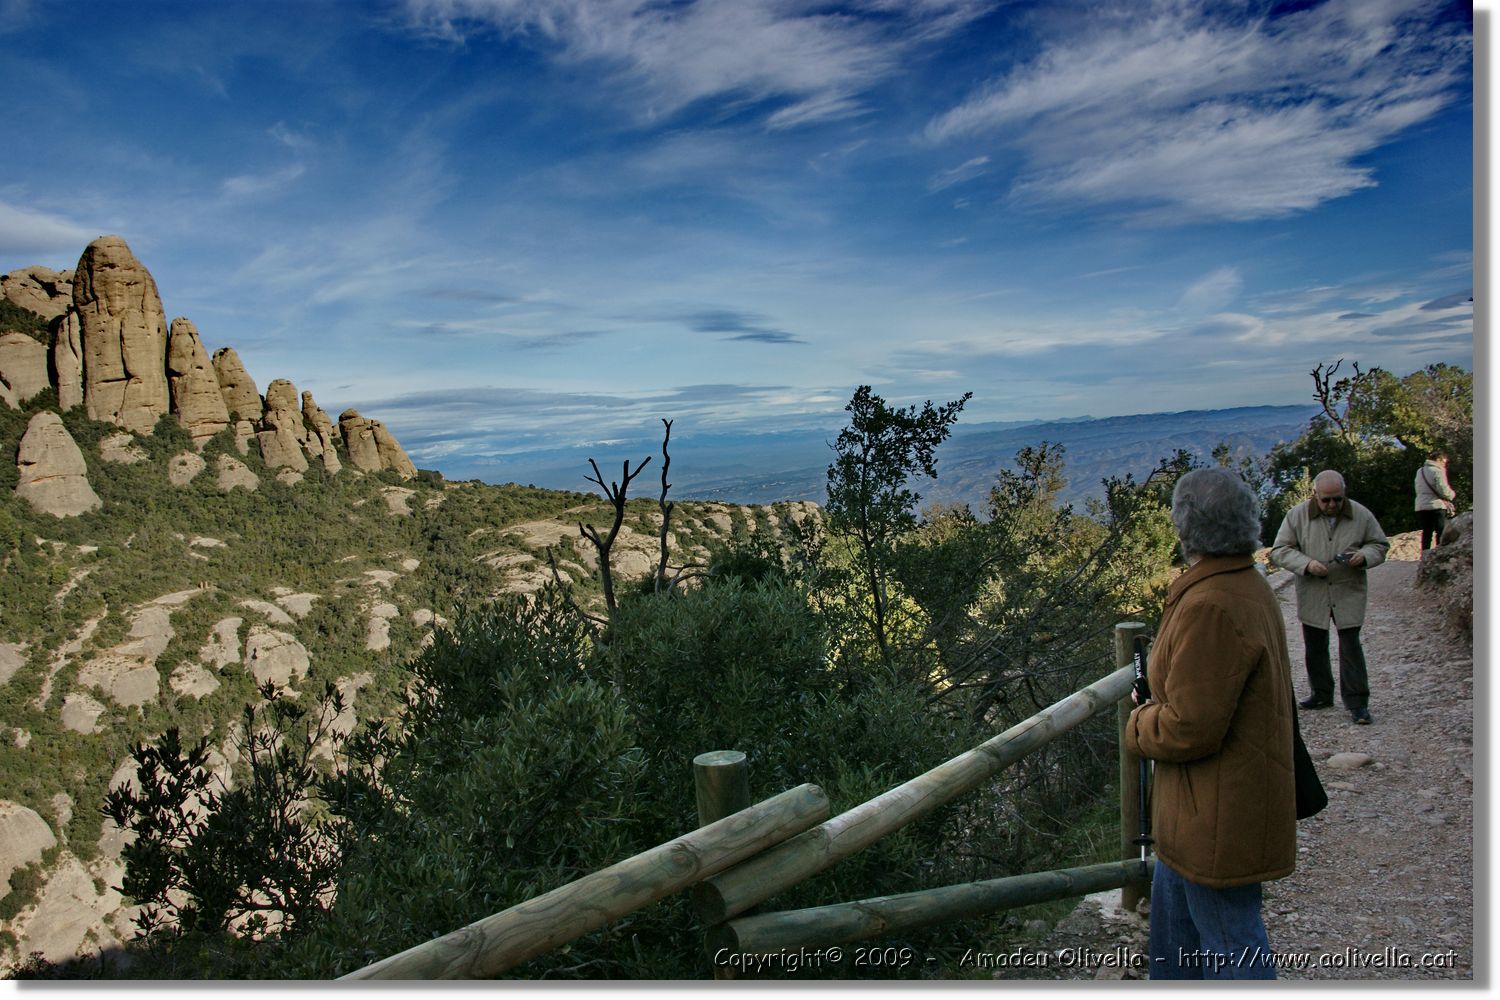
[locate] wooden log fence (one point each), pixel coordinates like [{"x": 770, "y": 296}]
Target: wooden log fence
[
  {"x": 763, "y": 876},
  {"x": 841, "y": 923},
  {"x": 498, "y": 942}
]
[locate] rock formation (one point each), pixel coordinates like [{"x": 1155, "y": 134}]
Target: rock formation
[
  {"x": 282, "y": 435},
  {"x": 121, "y": 449},
  {"x": 23, "y": 368},
  {"x": 53, "y": 475},
  {"x": 67, "y": 360},
  {"x": 241, "y": 397},
  {"x": 275, "y": 656},
  {"x": 124, "y": 337},
  {"x": 194, "y": 384},
  {"x": 371, "y": 447},
  {"x": 23, "y": 837},
  {"x": 320, "y": 429},
  {"x": 392, "y": 455},
  {"x": 182, "y": 468},
  {"x": 46, "y": 292},
  {"x": 359, "y": 441},
  {"x": 112, "y": 352},
  {"x": 233, "y": 473}
]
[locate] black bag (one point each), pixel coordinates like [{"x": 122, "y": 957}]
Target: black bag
[{"x": 1311, "y": 798}]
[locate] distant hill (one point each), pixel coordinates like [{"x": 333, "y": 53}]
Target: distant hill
[{"x": 767, "y": 468}]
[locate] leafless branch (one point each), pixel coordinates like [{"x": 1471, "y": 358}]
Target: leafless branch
[
  {"x": 666, "y": 509},
  {"x": 616, "y": 493}
]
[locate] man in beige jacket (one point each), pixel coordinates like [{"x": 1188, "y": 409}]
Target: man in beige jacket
[{"x": 1330, "y": 543}]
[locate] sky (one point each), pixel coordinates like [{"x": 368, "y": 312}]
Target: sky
[{"x": 504, "y": 225}]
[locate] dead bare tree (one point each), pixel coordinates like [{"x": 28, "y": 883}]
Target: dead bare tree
[
  {"x": 616, "y": 493},
  {"x": 666, "y": 508},
  {"x": 1334, "y": 397}
]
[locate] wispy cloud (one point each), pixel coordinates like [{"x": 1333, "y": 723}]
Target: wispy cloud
[
  {"x": 1455, "y": 301},
  {"x": 26, "y": 231},
  {"x": 957, "y": 175},
  {"x": 814, "y": 61},
  {"x": 489, "y": 421},
  {"x": 1180, "y": 112},
  {"x": 246, "y": 185},
  {"x": 739, "y": 326},
  {"x": 1212, "y": 292},
  {"x": 291, "y": 139}
]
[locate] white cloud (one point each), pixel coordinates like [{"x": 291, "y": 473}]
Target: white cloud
[
  {"x": 817, "y": 58},
  {"x": 290, "y": 138},
  {"x": 966, "y": 171},
  {"x": 1187, "y": 113},
  {"x": 244, "y": 185},
  {"x": 26, "y": 231},
  {"x": 1212, "y": 292}
]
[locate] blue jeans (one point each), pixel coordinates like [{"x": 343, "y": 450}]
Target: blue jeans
[{"x": 1203, "y": 933}]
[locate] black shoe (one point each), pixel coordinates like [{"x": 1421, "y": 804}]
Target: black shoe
[
  {"x": 1362, "y": 717},
  {"x": 1316, "y": 702}
]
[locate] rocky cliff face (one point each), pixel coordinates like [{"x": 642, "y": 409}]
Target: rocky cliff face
[
  {"x": 52, "y": 470},
  {"x": 124, "y": 337},
  {"x": 23, "y": 368},
  {"x": 45, "y": 292},
  {"x": 112, "y": 352},
  {"x": 196, "y": 398}
]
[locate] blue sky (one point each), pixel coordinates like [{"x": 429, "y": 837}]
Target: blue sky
[{"x": 509, "y": 224}]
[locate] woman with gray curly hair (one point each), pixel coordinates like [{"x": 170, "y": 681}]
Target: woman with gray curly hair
[{"x": 1219, "y": 727}]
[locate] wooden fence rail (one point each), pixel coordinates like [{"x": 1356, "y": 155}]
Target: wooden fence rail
[
  {"x": 841, "y": 923},
  {"x": 494, "y": 944},
  {"x": 782, "y": 867}
]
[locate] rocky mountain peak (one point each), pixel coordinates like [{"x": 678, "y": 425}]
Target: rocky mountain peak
[
  {"x": 124, "y": 333},
  {"x": 113, "y": 352}
]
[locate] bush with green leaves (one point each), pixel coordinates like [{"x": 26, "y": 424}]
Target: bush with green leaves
[
  {"x": 510, "y": 772},
  {"x": 253, "y": 856}
]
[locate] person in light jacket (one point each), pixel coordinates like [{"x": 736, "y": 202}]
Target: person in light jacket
[
  {"x": 1434, "y": 497},
  {"x": 1219, "y": 726},
  {"x": 1330, "y": 543}
]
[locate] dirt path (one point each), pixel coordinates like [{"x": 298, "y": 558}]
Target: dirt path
[{"x": 1384, "y": 880}]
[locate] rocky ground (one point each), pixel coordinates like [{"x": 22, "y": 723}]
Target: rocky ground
[{"x": 1384, "y": 887}]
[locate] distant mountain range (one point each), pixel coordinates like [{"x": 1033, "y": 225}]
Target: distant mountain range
[{"x": 766, "y": 468}]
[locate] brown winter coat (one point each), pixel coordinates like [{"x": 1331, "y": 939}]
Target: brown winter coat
[{"x": 1219, "y": 727}]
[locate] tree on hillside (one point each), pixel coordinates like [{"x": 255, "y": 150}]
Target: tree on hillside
[
  {"x": 1053, "y": 583},
  {"x": 869, "y": 496},
  {"x": 1376, "y": 429}
]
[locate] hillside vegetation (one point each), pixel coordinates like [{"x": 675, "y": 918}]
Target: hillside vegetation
[{"x": 169, "y": 605}]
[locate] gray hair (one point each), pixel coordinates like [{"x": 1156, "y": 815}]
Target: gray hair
[{"x": 1216, "y": 514}]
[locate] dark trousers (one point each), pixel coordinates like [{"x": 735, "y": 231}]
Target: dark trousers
[
  {"x": 1432, "y": 523},
  {"x": 1354, "y": 677}
]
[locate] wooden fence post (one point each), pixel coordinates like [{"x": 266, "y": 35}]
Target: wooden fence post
[
  {"x": 721, "y": 781},
  {"x": 1130, "y": 774}
]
